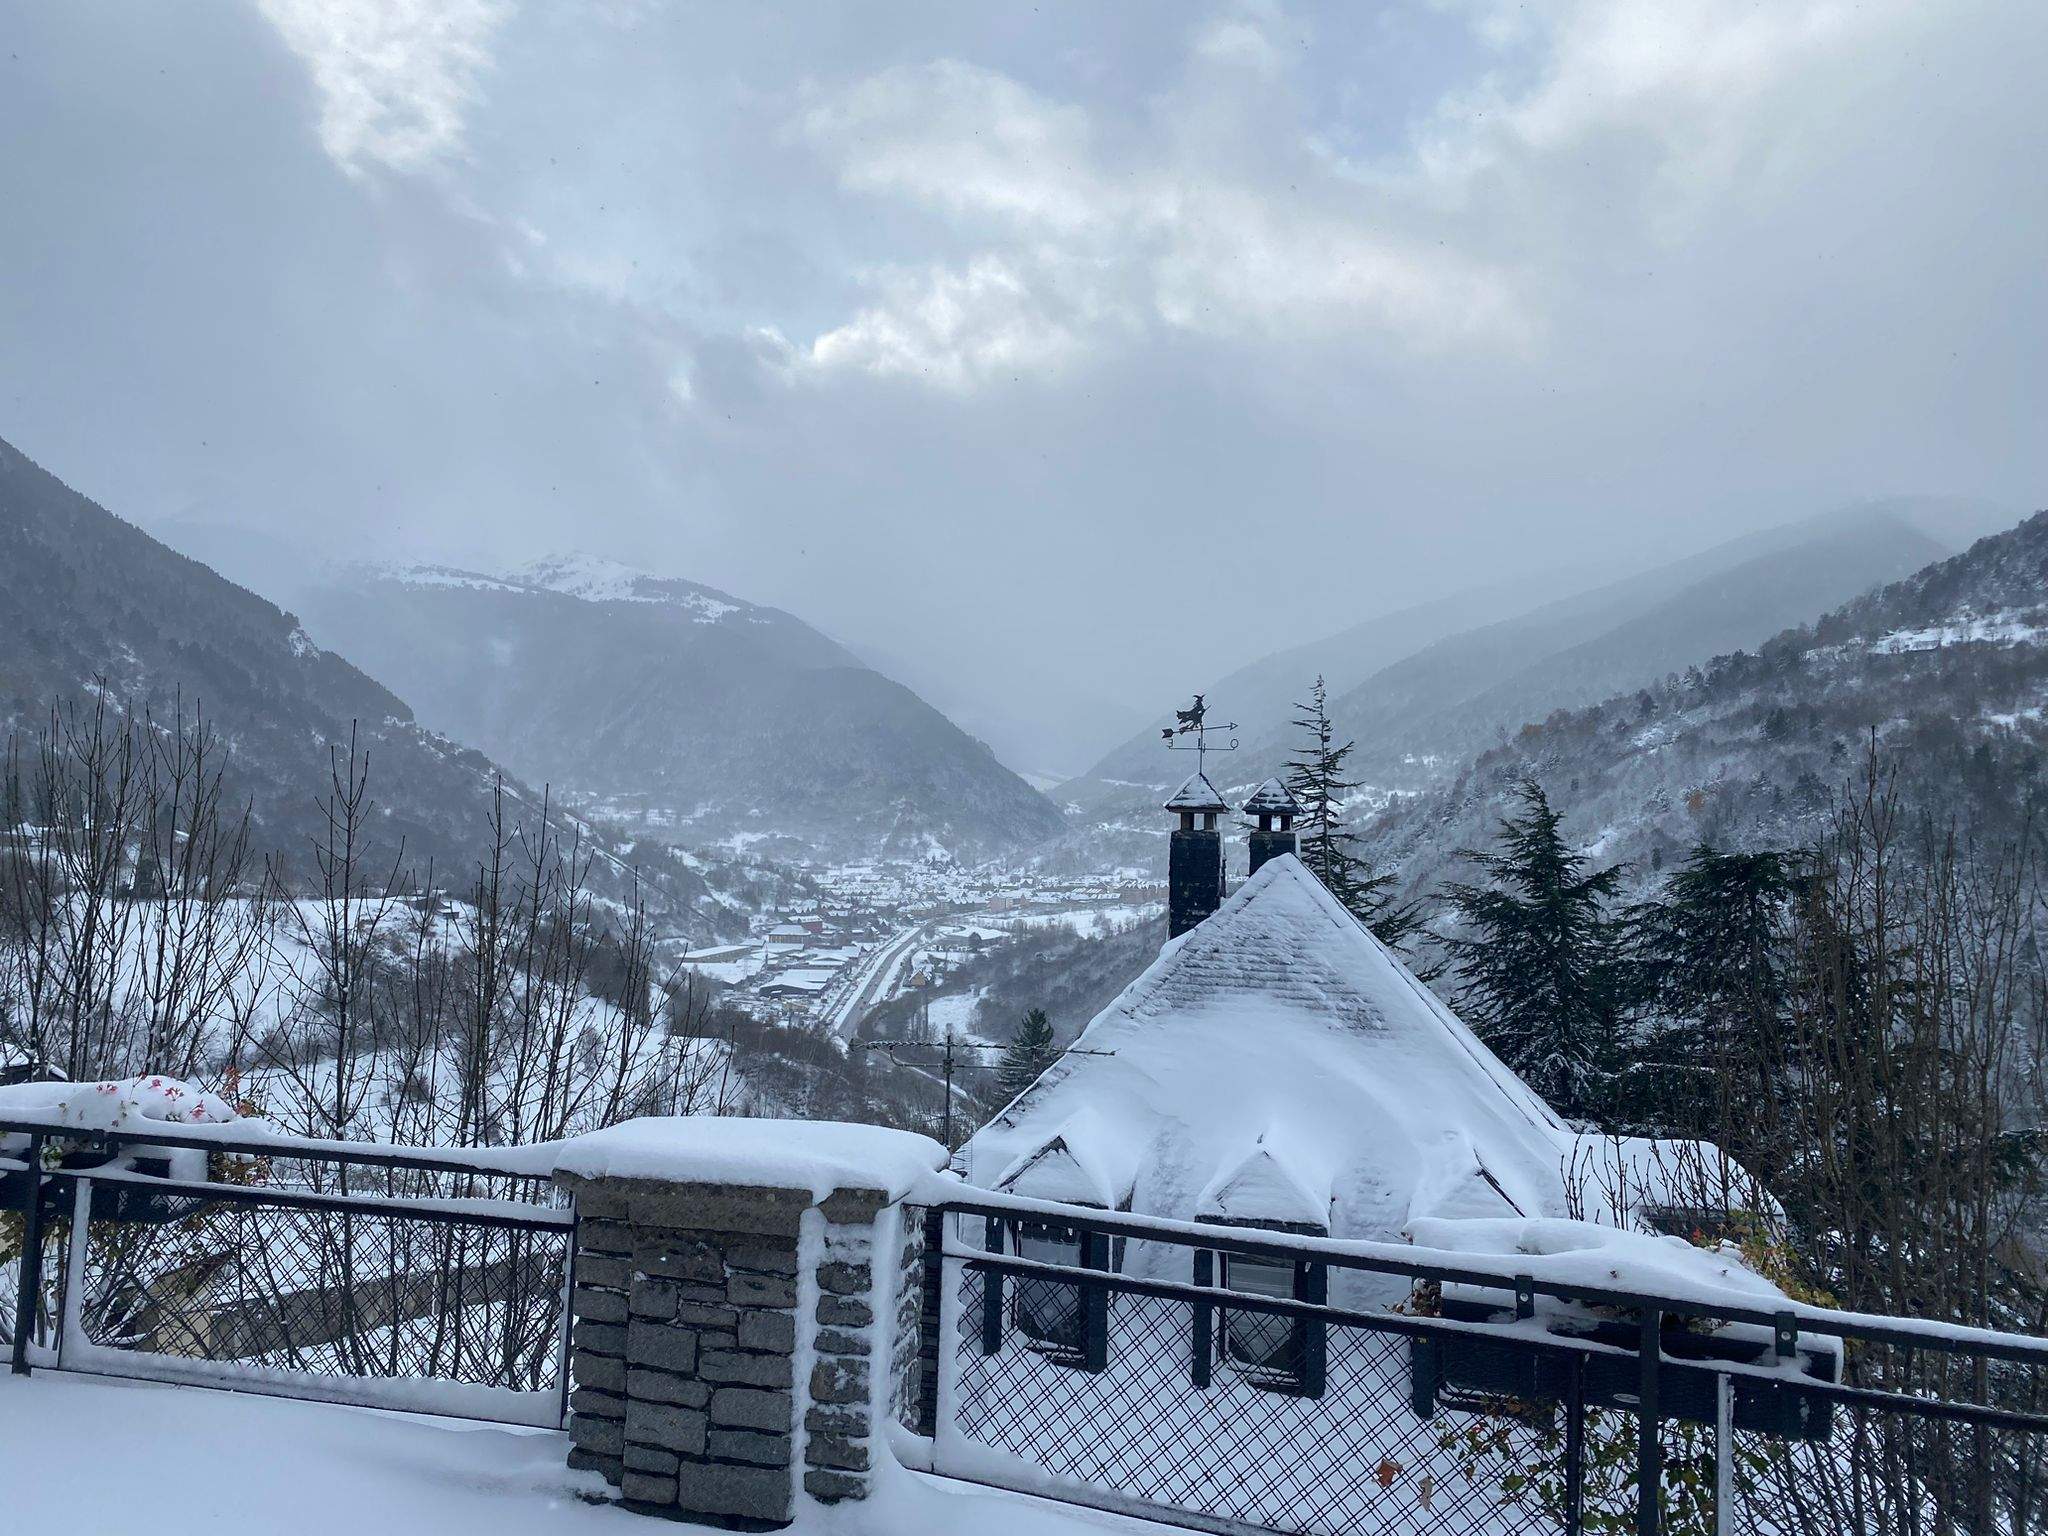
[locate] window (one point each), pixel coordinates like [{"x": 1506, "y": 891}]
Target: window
[
  {"x": 1262, "y": 1340},
  {"x": 1272, "y": 1349},
  {"x": 1049, "y": 1311}
]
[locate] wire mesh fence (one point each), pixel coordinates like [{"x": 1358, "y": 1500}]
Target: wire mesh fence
[
  {"x": 1252, "y": 1409},
  {"x": 1249, "y": 1447},
  {"x": 340, "y": 1292},
  {"x": 442, "y": 1289}
]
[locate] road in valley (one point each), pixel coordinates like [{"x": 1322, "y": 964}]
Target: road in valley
[{"x": 872, "y": 977}]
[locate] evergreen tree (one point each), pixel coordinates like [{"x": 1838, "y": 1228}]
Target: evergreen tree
[
  {"x": 1540, "y": 969},
  {"x": 1315, "y": 777},
  {"x": 1709, "y": 961},
  {"x": 1030, "y": 1051}
]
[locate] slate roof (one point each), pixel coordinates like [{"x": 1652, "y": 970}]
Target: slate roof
[{"x": 1279, "y": 1055}]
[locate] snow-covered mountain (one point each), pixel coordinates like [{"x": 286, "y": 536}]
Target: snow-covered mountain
[
  {"x": 90, "y": 600},
  {"x": 1948, "y": 667},
  {"x": 691, "y": 714}
]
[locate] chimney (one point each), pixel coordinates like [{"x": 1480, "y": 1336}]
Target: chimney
[
  {"x": 1275, "y": 810},
  {"x": 1194, "y": 865}
]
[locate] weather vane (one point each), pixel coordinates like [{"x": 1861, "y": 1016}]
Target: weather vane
[{"x": 1194, "y": 721}]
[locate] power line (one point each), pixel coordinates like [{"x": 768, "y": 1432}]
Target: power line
[{"x": 948, "y": 1047}]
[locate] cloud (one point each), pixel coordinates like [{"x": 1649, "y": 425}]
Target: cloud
[
  {"x": 954, "y": 328},
  {"x": 1696, "y": 82},
  {"x": 396, "y": 77},
  {"x": 1073, "y": 247}
]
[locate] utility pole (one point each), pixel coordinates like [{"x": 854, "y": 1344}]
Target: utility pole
[{"x": 950, "y": 1049}]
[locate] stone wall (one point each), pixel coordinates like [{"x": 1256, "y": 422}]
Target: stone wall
[
  {"x": 907, "y": 1366},
  {"x": 737, "y": 1348}
]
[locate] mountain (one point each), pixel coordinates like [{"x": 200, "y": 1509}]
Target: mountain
[
  {"x": 92, "y": 604},
  {"x": 1455, "y": 697},
  {"x": 1261, "y": 695},
  {"x": 1947, "y": 669},
  {"x": 1444, "y": 699},
  {"x": 685, "y": 712}
]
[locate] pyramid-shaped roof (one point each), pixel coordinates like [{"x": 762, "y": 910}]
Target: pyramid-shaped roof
[
  {"x": 1281, "y": 1012},
  {"x": 1196, "y": 793},
  {"x": 1272, "y": 799}
]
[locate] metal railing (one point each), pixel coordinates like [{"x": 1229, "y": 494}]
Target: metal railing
[
  {"x": 1157, "y": 1373},
  {"x": 415, "y": 1279}
]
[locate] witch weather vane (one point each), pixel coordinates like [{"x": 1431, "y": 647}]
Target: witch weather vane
[{"x": 1194, "y": 721}]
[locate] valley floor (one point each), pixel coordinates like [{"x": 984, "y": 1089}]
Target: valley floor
[{"x": 83, "y": 1456}]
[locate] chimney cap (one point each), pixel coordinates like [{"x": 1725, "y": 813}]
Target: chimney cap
[
  {"x": 1272, "y": 799},
  {"x": 1197, "y": 795}
]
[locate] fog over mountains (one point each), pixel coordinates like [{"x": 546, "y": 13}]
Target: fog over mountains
[
  {"x": 1945, "y": 671},
  {"x": 1424, "y": 691}
]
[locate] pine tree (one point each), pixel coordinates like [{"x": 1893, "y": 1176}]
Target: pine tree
[
  {"x": 1540, "y": 969},
  {"x": 1030, "y": 1051},
  {"x": 1709, "y": 955},
  {"x": 1315, "y": 777}
]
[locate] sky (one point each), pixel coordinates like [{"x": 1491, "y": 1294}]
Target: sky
[{"x": 1059, "y": 357}]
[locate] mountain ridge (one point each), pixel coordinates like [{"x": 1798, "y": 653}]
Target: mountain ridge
[{"x": 683, "y": 711}]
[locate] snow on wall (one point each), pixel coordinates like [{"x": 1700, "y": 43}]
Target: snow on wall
[{"x": 819, "y": 1156}]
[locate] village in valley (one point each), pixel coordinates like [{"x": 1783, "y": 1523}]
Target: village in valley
[{"x": 881, "y": 931}]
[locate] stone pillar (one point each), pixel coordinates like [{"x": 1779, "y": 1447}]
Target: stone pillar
[
  {"x": 738, "y": 1349},
  {"x": 684, "y": 1345}
]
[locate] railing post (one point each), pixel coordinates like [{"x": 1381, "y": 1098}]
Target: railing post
[
  {"x": 1312, "y": 1285},
  {"x": 565, "y": 1349},
  {"x": 70, "y": 1312},
  {"x": 1094, "y": 1304},
  {"x": 1649, "y": 1440},
  {"x": 30, "y": 1291},
  {"x": 931, "y": 1322},
  {"x": 1202, "y": 1339},
  {"x": 1724, "y": 1454},
  {"x": 1575, "y": 1447},
  {"x": 991, "y": 1289}
]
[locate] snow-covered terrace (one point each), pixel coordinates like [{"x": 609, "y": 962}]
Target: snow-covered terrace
[{"x": 90, "y": 1457}]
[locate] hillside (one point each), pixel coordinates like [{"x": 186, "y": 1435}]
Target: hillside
[
  {"x": 1442, "y": 702},
  {"x": 1261, "y": 695},
  {"x": 689, "y": 714},
  {"x": 90, "y": 601},
  {"x": 1948, "y": 667}
]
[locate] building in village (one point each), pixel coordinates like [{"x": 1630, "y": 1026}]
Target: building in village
[{"x": 1278, "y": 1068}]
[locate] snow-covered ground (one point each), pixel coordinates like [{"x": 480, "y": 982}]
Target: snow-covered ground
[{"x": 91, "y": 1457}]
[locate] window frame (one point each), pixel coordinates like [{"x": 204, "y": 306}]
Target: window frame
[
  {"x": 1307, "y": 1343},
  {"x": 1087, "y": 1347}
]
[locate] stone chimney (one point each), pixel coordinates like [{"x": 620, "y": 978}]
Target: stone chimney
[
  {"x": 1194, "y": 865},
  {"x": 1274, "y": 809}
]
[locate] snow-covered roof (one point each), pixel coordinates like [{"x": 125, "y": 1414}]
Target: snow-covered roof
[
  {"x": 1276, "y": 1183},
  {"x": 1272, "y": 799},
  {"x": 1197, "y": 794},
  {"x": 1080, "y": 1163},
  {"x": 1279, "y": 1056}
]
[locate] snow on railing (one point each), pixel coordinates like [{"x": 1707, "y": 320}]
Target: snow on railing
[{"x": 1551, "y": 1275}]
